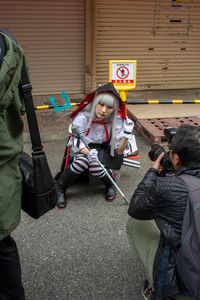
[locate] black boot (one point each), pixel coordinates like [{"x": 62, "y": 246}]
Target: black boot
[
  {"x": 65, "y": 180},
  {"x": 110, "y": 189}
]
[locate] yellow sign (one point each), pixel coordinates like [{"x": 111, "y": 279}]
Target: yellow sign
[{"x": 122, "y": 73}]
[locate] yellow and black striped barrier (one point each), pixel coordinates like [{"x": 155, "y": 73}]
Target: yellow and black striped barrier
[
  {"x": 51, "y": 106},
  {"x": 39, "y": 107},
  {"x": 163, "y": 102}
]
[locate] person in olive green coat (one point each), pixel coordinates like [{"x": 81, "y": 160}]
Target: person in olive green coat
[{"x": 11, "y": 146}]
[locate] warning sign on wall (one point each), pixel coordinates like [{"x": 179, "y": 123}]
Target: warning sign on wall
[
  {"x": 122, "y": 73},
  {"x": 176, "y": 4}
]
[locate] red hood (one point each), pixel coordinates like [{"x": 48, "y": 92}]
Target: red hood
[{"x": 108, "y": 88}]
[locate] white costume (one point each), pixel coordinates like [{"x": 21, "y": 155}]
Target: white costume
[
  {"x": 102, "y": 136},
  {"x": 97, "y": 132}
]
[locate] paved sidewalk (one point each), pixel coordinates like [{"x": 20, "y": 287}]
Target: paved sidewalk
[{"x": 81, "y": 252}]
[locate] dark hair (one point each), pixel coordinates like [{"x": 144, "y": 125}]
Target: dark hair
[
  {"x": 186, "y": 143},
  {"x": 2, "y": 49}
]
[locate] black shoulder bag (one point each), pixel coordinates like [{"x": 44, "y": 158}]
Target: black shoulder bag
[{"x": 39, "y": 190}]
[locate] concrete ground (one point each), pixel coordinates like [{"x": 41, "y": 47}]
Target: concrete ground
[{"x": 81, "y": 252}]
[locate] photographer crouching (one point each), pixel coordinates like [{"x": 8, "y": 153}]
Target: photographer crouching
[{"x": 157, "y": 209}]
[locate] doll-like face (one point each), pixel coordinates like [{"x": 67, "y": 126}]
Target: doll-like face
[{"x": 103, "y": 111}]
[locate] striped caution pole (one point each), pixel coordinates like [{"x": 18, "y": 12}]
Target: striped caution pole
[
  {"x": 163, "y": 102},
  {"x": 39, "y": 107}
]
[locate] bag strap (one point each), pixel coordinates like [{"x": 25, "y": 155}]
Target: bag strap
[
  {"x": 189, "y": 181},
  {"x": 30, "y": 111}
]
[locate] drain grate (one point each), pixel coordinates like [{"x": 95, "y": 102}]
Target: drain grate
[{"x": 152, "y": 129}]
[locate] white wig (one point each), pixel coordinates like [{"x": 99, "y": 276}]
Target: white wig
[{"x": 110, "y": 100}]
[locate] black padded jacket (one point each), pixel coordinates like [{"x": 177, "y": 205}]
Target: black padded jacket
[{"x": 163, "y": 199}]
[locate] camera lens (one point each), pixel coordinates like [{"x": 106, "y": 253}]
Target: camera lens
[{"x": 155, "y": 151}]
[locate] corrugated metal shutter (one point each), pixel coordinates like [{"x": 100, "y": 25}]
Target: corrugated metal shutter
[
  {"x": 163, "y": 39},
  {"x": 52, "y": 34}
]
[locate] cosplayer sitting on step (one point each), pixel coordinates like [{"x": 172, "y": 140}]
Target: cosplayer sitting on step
[{"x": 102, "y": 114}]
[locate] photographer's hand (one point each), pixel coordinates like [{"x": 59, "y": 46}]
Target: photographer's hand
[{"x": 156, "y": 164}]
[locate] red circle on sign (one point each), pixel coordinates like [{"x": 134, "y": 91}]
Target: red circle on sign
[{"x": 122, "y": 72}]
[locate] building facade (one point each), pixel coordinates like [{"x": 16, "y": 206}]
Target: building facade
[{"x": 69, "y": 43}]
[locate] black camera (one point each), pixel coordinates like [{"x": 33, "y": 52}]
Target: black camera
[
  {"x": 170, "y": 133},
  {"x": 156, "y": 150}
]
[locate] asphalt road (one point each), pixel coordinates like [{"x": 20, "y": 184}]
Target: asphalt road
[{"x": 81, "y": 252}]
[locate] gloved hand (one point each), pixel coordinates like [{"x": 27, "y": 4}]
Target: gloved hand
[
  {"x": 128, "y": 127},
  {"x": 92, "y": 155}
]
